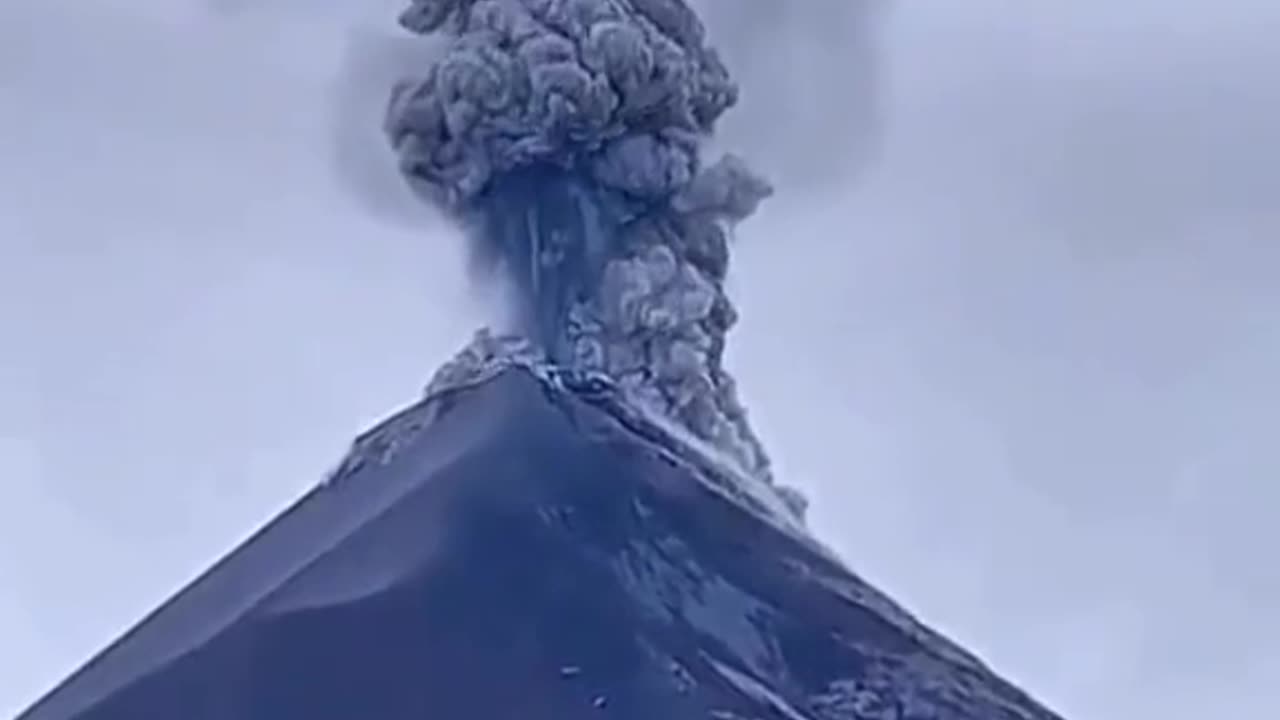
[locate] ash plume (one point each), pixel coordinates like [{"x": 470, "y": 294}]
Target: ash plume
[{"x": 566, "y": 137}]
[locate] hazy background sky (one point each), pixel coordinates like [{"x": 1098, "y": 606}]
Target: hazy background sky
[{"x": 1026, "y": 359}]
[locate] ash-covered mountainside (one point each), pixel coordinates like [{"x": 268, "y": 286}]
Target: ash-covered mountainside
[{"x": 516, "y": 547}]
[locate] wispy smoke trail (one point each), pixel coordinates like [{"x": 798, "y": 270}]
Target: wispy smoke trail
[{"x": 566, "y": 137}]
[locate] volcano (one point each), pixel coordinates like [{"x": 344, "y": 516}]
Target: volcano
[
  {"x": 577, "y": 519},
  {"x": 518, "y": 546}
]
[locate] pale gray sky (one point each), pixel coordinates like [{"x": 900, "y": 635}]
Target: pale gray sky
[{"x": 1026, "y": 365}]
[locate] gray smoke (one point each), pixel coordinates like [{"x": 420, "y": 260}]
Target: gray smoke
[{"x": 566, "y": 137}]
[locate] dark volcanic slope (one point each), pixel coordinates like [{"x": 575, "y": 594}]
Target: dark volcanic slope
[{"x": 509, "y": 551}]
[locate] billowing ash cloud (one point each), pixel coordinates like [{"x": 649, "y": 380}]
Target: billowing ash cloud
[{"x": 565, "y": 135}]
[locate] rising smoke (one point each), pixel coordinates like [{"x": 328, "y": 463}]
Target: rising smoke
[
  {"x": 808, "y": 116},
  {"x": 566, "y": 137}
]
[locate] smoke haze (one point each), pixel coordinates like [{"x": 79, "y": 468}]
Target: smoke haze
[{"x": 1024, "y": 365}]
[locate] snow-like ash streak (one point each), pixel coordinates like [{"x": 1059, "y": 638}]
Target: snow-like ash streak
[{"x": 565, "y": 135}]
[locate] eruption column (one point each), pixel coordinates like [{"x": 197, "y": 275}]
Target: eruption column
[{"x": 565, "y": 136}]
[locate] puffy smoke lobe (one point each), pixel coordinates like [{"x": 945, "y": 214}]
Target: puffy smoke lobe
[
  {"x": 565, "y": 136},
  {"x": 619, "y": 91}
]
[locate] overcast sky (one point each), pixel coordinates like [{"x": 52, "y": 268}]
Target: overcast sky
[{"x": 1016, "y": 329}]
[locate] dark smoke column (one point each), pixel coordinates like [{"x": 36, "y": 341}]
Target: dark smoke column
[{"x": 565, "y": 135}]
